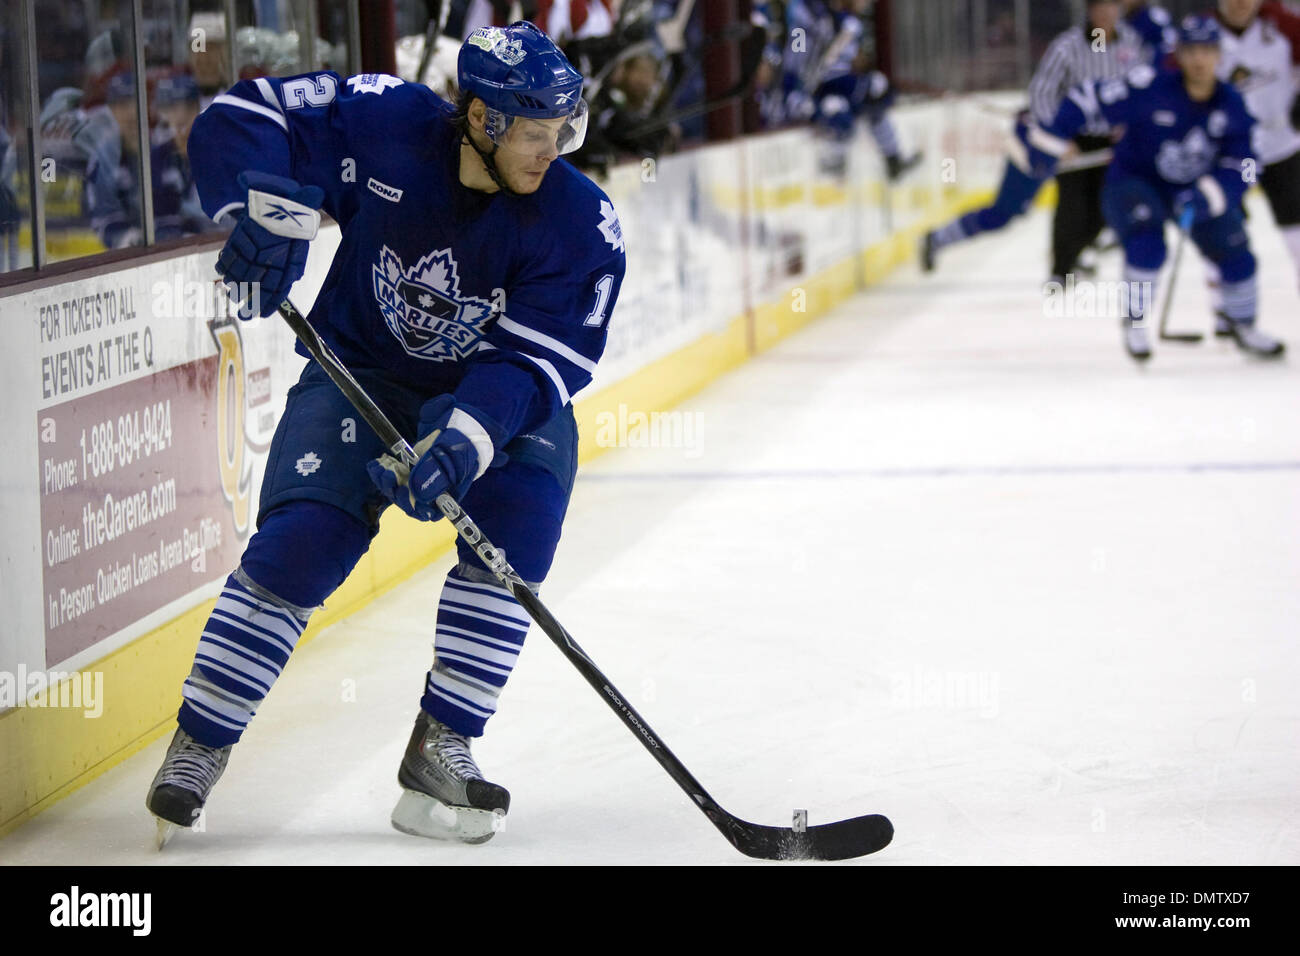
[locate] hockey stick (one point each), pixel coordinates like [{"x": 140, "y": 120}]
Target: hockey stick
[
  {"x": 431, "y": 31},
  {"x": 1184, "y": 227},
  {"x": 842, "y": 840},
  {"x": 1092, "y": 160}
]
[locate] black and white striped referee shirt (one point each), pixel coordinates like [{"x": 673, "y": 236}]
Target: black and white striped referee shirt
[{"x": 1072, "y": 59}]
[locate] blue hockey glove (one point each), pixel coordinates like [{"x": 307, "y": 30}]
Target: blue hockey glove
[
  {"x": 454, "y": 450},
  {"x": 269, "y": 243},
  {"x": 1192, "y": 205}
]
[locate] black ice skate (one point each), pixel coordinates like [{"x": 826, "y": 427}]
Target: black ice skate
[
  {"x": 183, "y": 782},
  {"x": 928, "y": 251},
  {"x": 444, "y": 796},
  {"x": 896, "y": 167}
]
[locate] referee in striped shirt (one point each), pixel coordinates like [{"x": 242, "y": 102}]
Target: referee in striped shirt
[{"x": 1104, "y": 46}]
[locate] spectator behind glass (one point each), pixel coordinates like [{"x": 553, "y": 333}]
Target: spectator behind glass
[
  {"x": 623, "y": 105},
  {"x": 83, "y": 140},
  {"x": 260, "y": 51},
  {"x": 11, "y": 213},
  {"x": 113, "y": 171},
  {"x": 209, "y": 66},
  {"x": 175, "y": 98}
]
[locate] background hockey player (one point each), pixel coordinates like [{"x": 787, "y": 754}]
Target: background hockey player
[
  {"x": 470, "y": 296},
  {"x": 847, "y": 88},
  {"x": 1078, "y": 55},
  {"x": 1185, "y": 150}
]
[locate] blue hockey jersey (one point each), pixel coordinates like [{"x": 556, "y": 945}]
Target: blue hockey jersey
[
  {"x": 1169, "y": 139},
  {"x": 501, "y": 300},
  {"x": 1159, "y": 35}
]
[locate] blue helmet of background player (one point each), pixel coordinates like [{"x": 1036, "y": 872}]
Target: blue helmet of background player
[
  {"x": 517, "y": 71},
  {"x": 1198, "y": 31}
]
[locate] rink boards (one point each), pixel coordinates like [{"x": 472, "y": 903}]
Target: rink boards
[{"x": 140, "y": 412}]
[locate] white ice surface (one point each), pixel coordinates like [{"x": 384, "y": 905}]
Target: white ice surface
[{"x": 938, "y": 557}]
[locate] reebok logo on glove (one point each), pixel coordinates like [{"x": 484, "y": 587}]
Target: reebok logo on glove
[
  {"x": 281, "y": 216},
  {"x": 279, "y": 212}
]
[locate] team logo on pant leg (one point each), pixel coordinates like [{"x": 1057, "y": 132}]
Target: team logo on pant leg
[
  {"x": 307, "y": 464},
  {"x": 423, "y": 308}
]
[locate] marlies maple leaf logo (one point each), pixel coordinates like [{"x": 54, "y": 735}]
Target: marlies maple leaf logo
[{"x": 423, "y": 307}]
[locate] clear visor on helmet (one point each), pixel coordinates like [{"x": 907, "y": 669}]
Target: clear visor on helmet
[{"x": 541, "y": 136}]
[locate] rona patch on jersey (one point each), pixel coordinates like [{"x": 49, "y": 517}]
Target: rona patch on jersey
[{"x": 423, "y": 308}]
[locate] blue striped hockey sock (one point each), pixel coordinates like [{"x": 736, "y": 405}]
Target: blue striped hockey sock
[
  {"x": 1138, "y": 292},
  {"x": 886, "y": 136},
  {"x": 481, "y": 629},
  {"x": 956, "y": 231},
  {"x": 245, "y": 645},
  {"x": 1240, "y": 300}
]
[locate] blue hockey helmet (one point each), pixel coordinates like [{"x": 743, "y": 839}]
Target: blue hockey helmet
[
  {"x": 1196, "y": 30},
  {"x": 518, "y": 71}
]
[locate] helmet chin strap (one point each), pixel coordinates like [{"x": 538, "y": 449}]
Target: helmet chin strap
[{"x": 489, "y": 163}]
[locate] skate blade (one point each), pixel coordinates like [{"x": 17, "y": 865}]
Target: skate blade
[
  {"x": 164, "y": 833},
  {"x": 421, "y": 815}
]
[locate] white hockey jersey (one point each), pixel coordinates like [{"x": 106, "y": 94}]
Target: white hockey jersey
[{"x": 1261, "y": 62}]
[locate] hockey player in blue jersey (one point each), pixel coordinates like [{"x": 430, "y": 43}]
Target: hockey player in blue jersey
[
  {"x": 1185, "y": 152},
  {"x": 1073, "y": 57},
  {"x": 848, "y": 89},
  {"x": 470, "y": 296},
  {"x": 1027, "y": 168}
]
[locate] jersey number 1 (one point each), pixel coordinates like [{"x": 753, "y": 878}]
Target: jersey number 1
[{"x": 604, "y": 287}]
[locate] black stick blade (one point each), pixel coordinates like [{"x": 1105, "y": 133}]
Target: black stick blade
[
  {"x": 1182, "y": 336},
  {"x": 842, "y": 840}
]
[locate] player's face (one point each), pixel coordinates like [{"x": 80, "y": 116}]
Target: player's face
[
  {"x": 1239, "y": 13},
  {"x": 1104, "y": 16},
  {"x": 524, "y": 152},
  {"x": 527, "y": 151},
  {"x": 1199, "y": 62}
]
